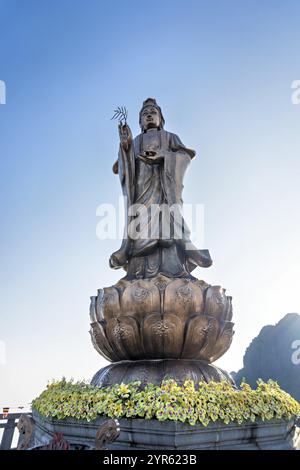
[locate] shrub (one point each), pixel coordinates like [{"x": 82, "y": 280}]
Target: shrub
[{"x": 187, "y": 403}]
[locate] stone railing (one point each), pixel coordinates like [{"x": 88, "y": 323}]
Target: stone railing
[
  {"x": 9, "y": 425},
  {"x": 106, "y": 433}
]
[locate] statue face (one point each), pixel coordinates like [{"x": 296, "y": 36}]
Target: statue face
[{"x": 150, "y": 118}]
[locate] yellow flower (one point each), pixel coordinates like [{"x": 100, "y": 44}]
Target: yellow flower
[{"x": 123, "y": 389}]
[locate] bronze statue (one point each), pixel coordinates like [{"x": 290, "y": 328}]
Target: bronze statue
[
  {"x": 158, "y": 321},
  {"x": 151, "y": 168}
]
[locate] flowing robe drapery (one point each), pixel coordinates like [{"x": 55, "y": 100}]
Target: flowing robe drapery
[{"x": 146, "y": 250}]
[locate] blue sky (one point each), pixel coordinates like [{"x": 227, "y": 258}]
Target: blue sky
[{"x": 222, "y": 72}]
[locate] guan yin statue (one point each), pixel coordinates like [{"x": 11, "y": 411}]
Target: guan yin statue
[{"x": 158, "y": 321}]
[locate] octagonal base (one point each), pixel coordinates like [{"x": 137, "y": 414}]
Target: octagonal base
[{"x": 138, "y": 434}]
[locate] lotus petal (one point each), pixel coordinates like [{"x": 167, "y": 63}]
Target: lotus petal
[
  {"x": 108, "y": 303},
  {"x": 183, "y": 298},
  {"x": 224, "y": 341},
  {"x": 195, "y": 336},
  {"x": 124, "y": 337},
  {"x": 93, "y": 312},
  {"x": 212, "y": 331},
  {"x": 140, "y": 298},
  {"x": 216, "y": 303},
  {"x": 100, "y": 342},
  {"x": 162, "y": 336},
  {"x": 228, "y": 314}
]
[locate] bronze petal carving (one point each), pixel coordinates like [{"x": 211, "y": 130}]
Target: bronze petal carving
[
  {"x": 183, "y": 298},
  {"x": 228, "y": 312},
  {"x": 140, "y": 297},
  {"x": 123, "y": 336},
  {"x": 195, "y": 336},
  {"x": 97, "y": 333},
  {"x": 130, "y": 337},
  {"x": 217, "y": 304},
  {"x": 212, "y": 331},
  {"x": 100, "y": 342},
  {"x": 162, "y": 335},
  {"x": 108, "y": 303},
  {"x": 224, "y": 341}
]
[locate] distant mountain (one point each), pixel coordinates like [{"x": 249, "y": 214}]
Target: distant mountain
[{"x": 275, "y": 354}]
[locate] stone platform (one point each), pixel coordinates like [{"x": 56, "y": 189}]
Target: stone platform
[{"x": 153, "y": 434}]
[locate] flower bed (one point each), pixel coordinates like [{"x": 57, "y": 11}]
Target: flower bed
[{"x": 203, "y": 403}]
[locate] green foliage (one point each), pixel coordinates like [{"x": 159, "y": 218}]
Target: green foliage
[{"x": 170, "y": 401}]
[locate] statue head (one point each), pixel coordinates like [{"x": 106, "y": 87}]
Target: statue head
[{"x": 151, "y": 116}]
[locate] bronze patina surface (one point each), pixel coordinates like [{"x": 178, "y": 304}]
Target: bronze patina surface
[
  {"x": 158, "y": 319},
  {"x": 151, "y": 168},
  {"x": 161, "y": 318}
]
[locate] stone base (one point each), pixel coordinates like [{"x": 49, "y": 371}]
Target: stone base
[
  {"x": 155, "y": 371},
  {"x": 152, "y": 434}
]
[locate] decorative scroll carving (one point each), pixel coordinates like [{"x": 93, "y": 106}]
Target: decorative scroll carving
[
  {"x": 25, "y": 427},
  {"x": 106, "y": 434}
]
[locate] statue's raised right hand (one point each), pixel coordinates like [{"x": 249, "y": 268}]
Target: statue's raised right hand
[{"x": 125, "y": 136}]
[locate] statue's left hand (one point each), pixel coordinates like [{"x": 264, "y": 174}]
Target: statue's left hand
[{"x": 152, "y": 157}]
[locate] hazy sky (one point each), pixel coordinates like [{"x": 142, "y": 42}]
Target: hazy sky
[{"x": 222, "y": 72}]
